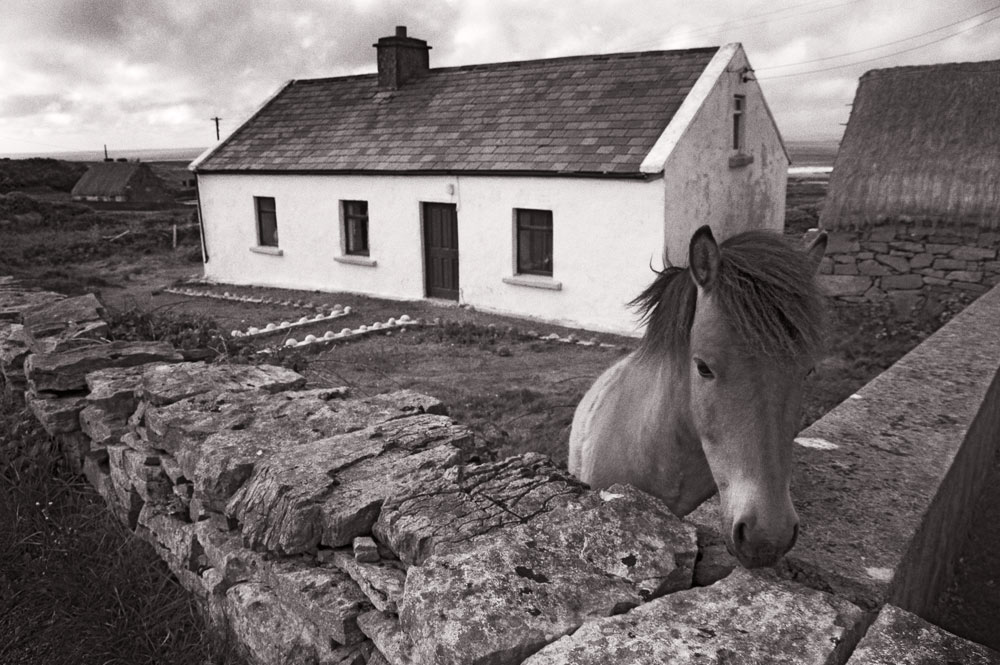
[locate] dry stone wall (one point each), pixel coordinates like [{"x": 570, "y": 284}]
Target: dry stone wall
[
  {"x": 318, "y": 527},
  {"x": 905, "y": 261}
]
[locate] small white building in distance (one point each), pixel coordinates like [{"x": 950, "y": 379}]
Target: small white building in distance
[{"x": 543, "y": 189}]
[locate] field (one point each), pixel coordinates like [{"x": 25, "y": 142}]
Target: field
[{"x": 516, "y": 392}]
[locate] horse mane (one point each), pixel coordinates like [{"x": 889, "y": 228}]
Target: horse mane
[{"x": 765, "y": 289}]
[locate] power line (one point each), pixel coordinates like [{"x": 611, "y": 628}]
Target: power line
[
  {"x": 874, "y": 48},
  {"x": 881, "y": 57}
]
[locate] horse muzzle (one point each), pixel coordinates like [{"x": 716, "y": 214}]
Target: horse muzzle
[{"x": 755, "y": 547}]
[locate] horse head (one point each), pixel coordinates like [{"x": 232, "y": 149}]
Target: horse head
[{"x": 753, "y": 338}]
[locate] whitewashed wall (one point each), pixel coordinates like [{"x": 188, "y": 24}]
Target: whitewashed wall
[
  {"x": 605, "y": 235},
  {"x": 701, "y": 186}
]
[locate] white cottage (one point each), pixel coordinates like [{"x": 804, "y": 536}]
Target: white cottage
[{"x": 542, "y": 189}]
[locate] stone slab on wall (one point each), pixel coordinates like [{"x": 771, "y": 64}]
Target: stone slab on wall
[{"x": 900, "y": 638}]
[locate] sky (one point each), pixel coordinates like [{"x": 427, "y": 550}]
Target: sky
[{"x": 145, "y": 74}]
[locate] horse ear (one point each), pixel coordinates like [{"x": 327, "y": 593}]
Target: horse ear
[
  {"x": 703, "y": 257},
  {"x": 816, "y": 250}
]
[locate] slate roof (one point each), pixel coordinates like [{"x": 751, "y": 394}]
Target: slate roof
[
  {"x": 593, "y": 115},
  {"x": 105, "y": 179}
]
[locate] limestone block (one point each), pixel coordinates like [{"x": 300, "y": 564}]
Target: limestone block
[
  {"x": 965, "y": 276},
  {"x": 324, "y": 595},
  {"x": 870, "y": 267},
  {"x": 842, "y": 242},
  {"x": 67, "y": 371},
  {"x": 501, "y": 596},
  {"x": 471, "y": 500},
  {"x": 741, "y": 619},
  {"x": 115, "y": 390},
  {"x": 902, "y": 282},
  {"x": 65, "y": 317},
  {"x": 103, "y": 427},
  {"x": 13, "y": 352},
  {"x": 391, "y": 643},
  {"x": 14, "y": 301},
  {"x": 922, "y": 261},
  {"x": 331, "y": 490},
  {"x": 271, "y": 634},
  {"x": 949, "y": 264},
  {"x": 222, "y": 550},
  {"x": 381, "y": 581},
  {"x": 57, "y": 415},
  {"x": 172, "y": 538},
  {"x": 900, "y": 638},
  {"x": 98, "y": 475},
  {"x": 844, "y": 285},
  {"x": 365, "y": 550},
  {"x": 973, "y": 253},
  {"x": 898, "y": 263},
  {"x": 73, "y": 446},
  {"x": 166, "y": 384}
]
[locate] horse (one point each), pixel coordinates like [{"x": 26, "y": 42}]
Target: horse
[{"x": 711, "y": 398}]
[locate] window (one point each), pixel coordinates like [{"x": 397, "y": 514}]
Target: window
[
  {"x": 267, "y": 221},
  {"x": 534, "y": 242},
  {"x": 355, "y": 214},
  {"x": 739, "y": 105}
]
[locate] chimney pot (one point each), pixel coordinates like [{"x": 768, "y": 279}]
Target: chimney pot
[{"x": 400, "y": 30}]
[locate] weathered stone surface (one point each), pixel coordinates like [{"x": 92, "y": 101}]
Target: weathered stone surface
[
  {"x": 921, "y": 261},
  {"x": 365, "y": 550},
  {"x": 222, "y": 550},
  {"x": 15, "y": 300},
  {"x": 883, "y": 503},
  {"x": 166, "y": 384},
  {"x": 66, "y": 371},
  {"x": 503, "y": 595},
  {"x": 13, "y": 352},
  {"x": 900, "y": 638},
  {"x": 330, "y": 490},
  {"x": 965, "y": 276},
  {"x": 471, "y": 500},
  {"x": 973, "y": 253},
  {"x": 902, "y": 282},
  {"x": 115, "y": 389},
  {"x": 60, "y": 315},
  {"x": 870, "y": 267},
  {"x": 842, "y": 242},
  {"x": 390, "y": 640},
  {"x": 949, "y": 264},
  {"x": 103, "y": 427},
  {"x": 57, "y": 415},
  {"x": 324, "y": 596},
  {"x": 270, "y": 633},
  {"x": 742, "y": 619},
  {"x": 844, "y": 285},
  {"x": 381, "y": 581},
  {"x": 172, "y": 538}
]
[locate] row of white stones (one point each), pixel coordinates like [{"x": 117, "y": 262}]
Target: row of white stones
[
  {"x": 403, "y": 321},
  {"x": 272, "y": 328},
  {"x": 235, "y": 297}
]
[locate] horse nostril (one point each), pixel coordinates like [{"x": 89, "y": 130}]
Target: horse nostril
[{"x": 739, "y": 534}]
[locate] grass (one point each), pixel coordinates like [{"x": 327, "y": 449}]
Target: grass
[{"x": 75, "y": 586}]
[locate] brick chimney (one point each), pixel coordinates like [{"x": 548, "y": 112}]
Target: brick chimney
[{"x": 400, "y": 59}]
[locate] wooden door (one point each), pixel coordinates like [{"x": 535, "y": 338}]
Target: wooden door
[{"x": 441, "y": 250}]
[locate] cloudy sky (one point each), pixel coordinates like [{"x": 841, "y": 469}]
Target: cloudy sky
[{"x": 133, "y": 74}]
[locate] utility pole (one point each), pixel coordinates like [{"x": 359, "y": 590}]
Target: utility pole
[{"x": 216, "y": 119}]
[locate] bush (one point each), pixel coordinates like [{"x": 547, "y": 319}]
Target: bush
[{"x": 183, "y": 330}]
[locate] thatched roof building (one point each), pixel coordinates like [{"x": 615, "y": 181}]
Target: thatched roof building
[{"x": 923, "y": 143}]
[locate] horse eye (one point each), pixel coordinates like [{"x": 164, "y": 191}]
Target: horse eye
[{"x": 703, "y": 369}]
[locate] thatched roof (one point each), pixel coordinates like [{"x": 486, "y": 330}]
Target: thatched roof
[{"x": 922, "y": 143}]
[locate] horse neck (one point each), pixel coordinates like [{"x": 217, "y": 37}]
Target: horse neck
[{"x": 669, "y": 398}]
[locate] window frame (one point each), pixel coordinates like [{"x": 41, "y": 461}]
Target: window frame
[
  {"x": 527, "y": 220},
  {"x": 259, "y": 213},
  {"x": 349, "y": 217},
  {"x": 739, "y": 122}
]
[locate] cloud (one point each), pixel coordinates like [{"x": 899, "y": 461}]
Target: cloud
[{"x": 151, "y": 74}]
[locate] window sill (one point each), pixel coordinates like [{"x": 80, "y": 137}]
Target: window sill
[
  {"x": 266, "y": 249},
  {"x": 739, "y": 160},
  {"x": 534, "y": 282},
  {"x": 356, "y": 260}
]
